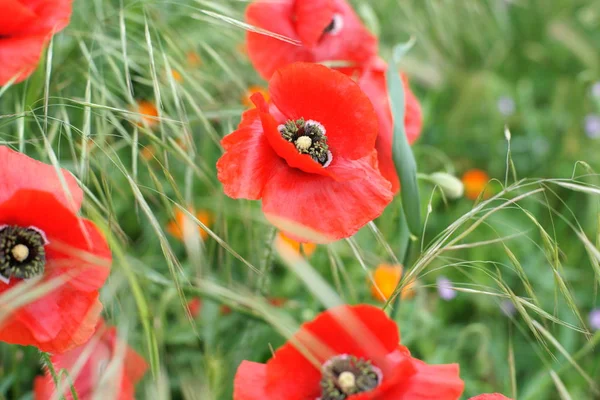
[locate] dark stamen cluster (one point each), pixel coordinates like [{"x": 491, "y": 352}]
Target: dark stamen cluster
[
  {"x": 334, "y": 382},
  {"x": 293, "y": 131},
  {"x": 22, "y": 253}
]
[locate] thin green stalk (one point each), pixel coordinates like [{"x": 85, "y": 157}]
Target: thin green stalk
[{"x": 48, "y": 364}]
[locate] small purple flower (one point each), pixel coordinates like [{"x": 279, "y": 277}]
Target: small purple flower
[
  {"x": 595, "y": 319},
  {"x": 506, "y": 106},
  {"x": 445, "y": 288},
  {"x": 592, "y": 126},
  {"x": 596, "y": 90},
  {"x": 508, "y": 308}
]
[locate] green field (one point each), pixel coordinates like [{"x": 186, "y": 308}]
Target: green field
[{"x": 524, "y": 260}]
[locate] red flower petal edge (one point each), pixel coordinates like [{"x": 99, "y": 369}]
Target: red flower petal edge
[
  {"x": 333, "y": 198},
  {"x": 320, "y": 30},
  {"x": 495, "y": 396},
  {"x": 98, "y": 378},
  {"x": 372, "y": 81},
  {"x": 67, "y": 255},
  {"x": 22, "y": 172},
  {"x": 363, "y": 333},
  {"x": 26, "y": 26}
]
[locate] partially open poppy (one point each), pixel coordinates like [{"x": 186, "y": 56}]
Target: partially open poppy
[
  {"x": 495, "y": 396},
  {"x": 42, "y": 237},
  {"x": 372, "y": 80},
  {"x": 177, "y": 226},
  {"x": 104, "y": 368},
  {"x": 348, "y": 352},
  {"x": 309, "y": 155},
  {"x": 148, "y": 114},
  {"x": 386, "y": 278},
  {"x": 26, "y": 26},
  {"x": 324, "y": 30}
]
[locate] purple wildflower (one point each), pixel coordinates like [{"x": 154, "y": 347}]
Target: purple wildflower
[
  {"x": 508, "y": 308},
  {"x": 445, "y": 288},
  {"x": 592, "y": 126},
  {"x": 506, "y": 106},
  {"x": 595, "y": 319}
]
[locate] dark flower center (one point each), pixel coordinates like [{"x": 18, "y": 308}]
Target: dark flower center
[
  {"x": 22, "y": 253},
  {"x": 344, "y": 376},
  {"x": 309, "y": 138}
]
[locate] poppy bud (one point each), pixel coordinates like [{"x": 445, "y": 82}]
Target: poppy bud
[{"x": 452, "y": 187}]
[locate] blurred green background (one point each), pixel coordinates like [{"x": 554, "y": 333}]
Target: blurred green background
[{"x": 478, "y": 67}]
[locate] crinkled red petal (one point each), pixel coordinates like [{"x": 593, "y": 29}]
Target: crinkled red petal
[
  {"x": 249, "y": 160},
  {"x": 334, "y": 209},
  {"x": 74, "y": 319}
]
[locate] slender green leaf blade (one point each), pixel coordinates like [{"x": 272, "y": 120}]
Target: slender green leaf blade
[{"x": 404, "y": 159}]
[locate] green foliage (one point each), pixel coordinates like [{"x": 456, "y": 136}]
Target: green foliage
[{"x": 534, "y": 244}]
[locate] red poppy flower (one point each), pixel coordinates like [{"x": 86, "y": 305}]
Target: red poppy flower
[
  {"x": 348, "y": 352},
  {"x": 327, "y": 30},
  {"x": 25, "y": 28},
  {"x": 310, "y": 156},
  {"x": 373, "y": 82},
  {"x": 96, "y": 368},
  {"x": 495, "y": 396},
  {"x": 41, "y": 236}
]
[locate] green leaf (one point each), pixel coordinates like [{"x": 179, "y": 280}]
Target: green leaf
[{"x": 404, "y": 159}]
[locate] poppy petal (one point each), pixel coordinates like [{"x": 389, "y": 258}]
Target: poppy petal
[
  {"x": 334, "y": 209},
  {"x": 52, "y": 16},
  {"x": 76, "y": 248},
  {"x": 74, "y": 321},
  {"x": 331, "y": 328},
  {"x": 249, "y": 383},
  {"x": 494, "y": 396},
  {"x": 22, "y": 172},
  {"x": 14, "y": 16},
  {"x": 351, "y": 41},
  {"x": 266, "y": 52},
  {"x": 430, "y": 382},
  {"x": 312, "y": 18},
  {"x": 315, "y": 92},
  {"x": 42, "y": 317},
  {"x": 248, "y": 161},
  {"x": 90, "y": 360},
  {"x": 79, "y": 323},
  {"x": 374, "y": 85},
  {"x": 19, "y": 57}
]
